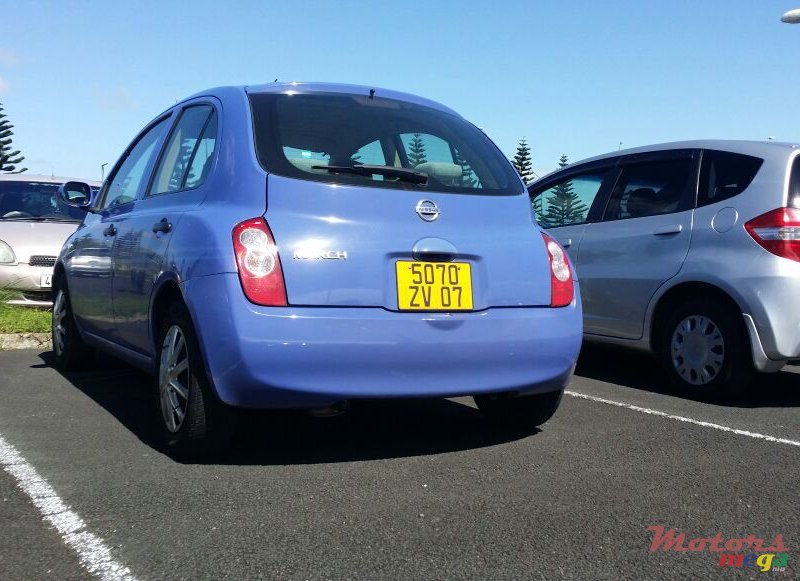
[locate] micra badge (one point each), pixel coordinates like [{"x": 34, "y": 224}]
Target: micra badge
[{"x": 315, "y": 254}]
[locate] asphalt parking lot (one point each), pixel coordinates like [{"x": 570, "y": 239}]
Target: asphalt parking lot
[{"x": 395, "y": 489}]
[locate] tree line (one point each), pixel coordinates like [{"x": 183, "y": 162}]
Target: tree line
[{"x": 558, "y": 206}]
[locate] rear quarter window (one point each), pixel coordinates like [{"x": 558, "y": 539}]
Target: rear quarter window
[{"x": 724, "y": 175}]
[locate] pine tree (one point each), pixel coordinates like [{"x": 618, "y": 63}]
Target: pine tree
[
  {"x": 564, "y": 206},
  {"x": 468, "y": 177},
  {"x": 416, "y": 151},
  {"x": 522, "y": 161},
  {"x": 8, "y": 157}
]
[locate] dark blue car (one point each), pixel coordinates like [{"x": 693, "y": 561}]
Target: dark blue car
[{"x": 301, "y": 245}]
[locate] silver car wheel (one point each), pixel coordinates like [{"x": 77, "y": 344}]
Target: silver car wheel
[
  {"x": 59, "y": 330},
  {"x": 697, "y": 349},
  {"x": 173, "y": 378}
]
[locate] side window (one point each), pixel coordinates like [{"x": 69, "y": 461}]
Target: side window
[
  {"x": 125, "y": 185},
  {"x": 568, "y": 201},
  {"x": 190, "y": 146},
  {"x": 649, "y": 189},
  {"x": 203, "y": 155},
  {"x": 724, "y": 175}
]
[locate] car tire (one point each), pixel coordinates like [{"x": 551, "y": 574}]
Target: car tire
[
  {"x": 193, "y": 422},
  {"x": 71, "y": 353},
  {"x": 705, "y": 349},
  {"x": 519, "y": 412}
]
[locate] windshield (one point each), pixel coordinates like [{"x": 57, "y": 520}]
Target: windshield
[
  {"x": 29, "y": 200},
  {"x": 378, "y": 142}
]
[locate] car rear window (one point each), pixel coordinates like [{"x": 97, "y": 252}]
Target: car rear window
[
  {"x": 330, "y": 137},
  {"x": 724, "y": 175},
  {"x": 32, "y": 200}
]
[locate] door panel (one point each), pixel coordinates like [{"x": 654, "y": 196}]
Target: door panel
[
  {"x": 641, "y": 242},
  {"x": 142, "y": 242},
  {"x": 622, "y": 263},
  {"x": 87, "y": 265}
]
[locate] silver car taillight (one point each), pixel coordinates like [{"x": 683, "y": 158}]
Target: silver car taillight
[{"x": 778, "y": 232}]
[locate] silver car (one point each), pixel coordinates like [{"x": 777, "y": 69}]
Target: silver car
[
  {"x": 688, "y": 249},
  {"x": 33, "y": 226}
]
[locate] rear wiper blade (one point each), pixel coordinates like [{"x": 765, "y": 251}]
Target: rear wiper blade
[{"x": 401, "y": 173}]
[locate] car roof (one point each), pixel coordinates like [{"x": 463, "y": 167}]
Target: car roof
[
  {"x": 26, "y": 177},
  {"x": 747, "y": 147},
  {"x": 312, "y": 87}
]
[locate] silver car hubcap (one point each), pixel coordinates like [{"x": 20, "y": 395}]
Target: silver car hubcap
[
  {"x": 59, "y": 331},
  {"x": 173, "y": 378},
  {"x": 697, "y": 349}
]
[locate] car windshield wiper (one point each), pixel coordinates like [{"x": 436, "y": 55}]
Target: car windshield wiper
[{"x": 400, "y": 173}]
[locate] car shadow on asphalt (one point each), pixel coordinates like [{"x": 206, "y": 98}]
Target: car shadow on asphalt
[
  {"x": 641, "y": 370},
  {"x": 369, "y": 430}
]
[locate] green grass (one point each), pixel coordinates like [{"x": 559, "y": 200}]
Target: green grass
[{"x": 22, "y": 319}]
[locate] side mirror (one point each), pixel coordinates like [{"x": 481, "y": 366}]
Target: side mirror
[{"x": 77, "y": 194}]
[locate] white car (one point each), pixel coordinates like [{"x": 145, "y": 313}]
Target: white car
[{"x": 34, "y": 223}]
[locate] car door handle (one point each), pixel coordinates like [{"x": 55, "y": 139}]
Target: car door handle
[
  {"x": 567, "y": 242},
  {"x": 671, "y": 229},
  {"x": 110, "y": 231},
  {"x": 163, "y": 226}
]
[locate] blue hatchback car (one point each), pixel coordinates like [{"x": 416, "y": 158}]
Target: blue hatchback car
[{"x": 301, "y": 245}]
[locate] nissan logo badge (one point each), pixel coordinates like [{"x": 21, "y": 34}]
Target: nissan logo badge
[{"x": 427, "y": 210}]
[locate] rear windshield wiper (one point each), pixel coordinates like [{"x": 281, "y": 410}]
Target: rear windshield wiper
[{"x": 401, "y": 173}]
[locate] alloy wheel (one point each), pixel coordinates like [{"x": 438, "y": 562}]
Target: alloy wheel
[
  {"x": 173, "y": 378},
  {"x": 59, "y": 329}
]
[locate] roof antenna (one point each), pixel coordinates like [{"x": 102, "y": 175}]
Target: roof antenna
[
  {"x": 276, "y": 80},
  {"x": 372, "y": 93}
]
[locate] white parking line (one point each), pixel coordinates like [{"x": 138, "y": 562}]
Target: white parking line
[
  {"x": 92, "y": 552},
  {"x": 720, "y": 427}
]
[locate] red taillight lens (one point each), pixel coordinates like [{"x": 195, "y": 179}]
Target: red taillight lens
[
  {"x": 258, "y": 263},
  {"x": 562, "y": 290},
  {"x": 778, "y": 232}
]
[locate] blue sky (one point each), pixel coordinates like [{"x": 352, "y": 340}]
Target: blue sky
[{"x": 79, "y": 79}]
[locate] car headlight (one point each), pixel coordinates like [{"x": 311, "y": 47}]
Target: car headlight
[{"x": 6, "y": 254}]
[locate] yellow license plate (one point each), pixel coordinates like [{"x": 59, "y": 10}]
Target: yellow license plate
[{"x": 434, "y": 286}]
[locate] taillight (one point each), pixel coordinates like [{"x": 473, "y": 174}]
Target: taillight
[
  {"x": 258, "y": 263},
  {"x": 562, "y": 290},
  {"x": 778, "y": 232}
]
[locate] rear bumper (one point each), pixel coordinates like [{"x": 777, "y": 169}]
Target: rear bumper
[
  {"x": 771, "y": 320},
  {"x": 306, "y": 356}
]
